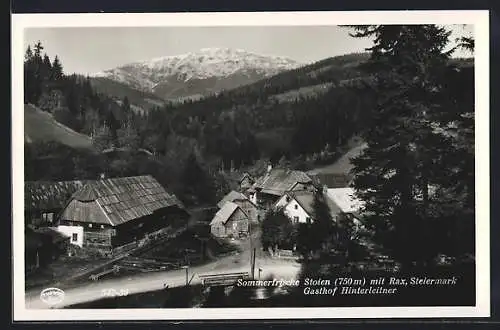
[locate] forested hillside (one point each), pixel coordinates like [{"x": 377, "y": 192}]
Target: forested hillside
[
  {"x": 300, "y": 118},
  {"x": 140, "y": 101}
]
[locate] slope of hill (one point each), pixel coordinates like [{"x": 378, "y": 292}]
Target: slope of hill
[
  {"x": 200, "y": 73},
  {"x": 41, "y": 126},
  {"x": 342, "y": 165},
  {"x": 142, "y": 100}
]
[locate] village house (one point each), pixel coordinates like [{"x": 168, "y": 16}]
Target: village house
[
  {"x": 230, "y": 221},
  {"x": 250, "y": 209},
  {"x": 239, "y": 181},
  {"x": 275, "y": 183},
  {"x": 299, "y": 205},
  {"x": 109, "y": 213},
  {"x": 246, "y": 181},
  {"x": 44, "y": 200}
]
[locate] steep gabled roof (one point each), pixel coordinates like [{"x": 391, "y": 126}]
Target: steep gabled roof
[
  {"x": 231, "y": 197},
  {"x": 226, "y": 211},
  {"x": 115, "y": 201},
  {"x": 306, "y": 200},
  {"x": 246, "y": 175},
  {"x": 278, "y": 181},
  {"x": 47, "y": 195}
]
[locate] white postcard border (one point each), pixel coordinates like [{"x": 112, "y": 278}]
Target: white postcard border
[{"x": 478, "y": 18}]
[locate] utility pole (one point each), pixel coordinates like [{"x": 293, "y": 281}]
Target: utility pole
[
  {"x": 252, "y": 260},
  {"x": 187, "y": 266},
  {"x": 187, "y": 276}
]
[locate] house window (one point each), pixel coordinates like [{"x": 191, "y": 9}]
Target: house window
[
  {"x": 47, "y": 217},
  {"x": 74, "y": 237},
  {"x": 287, "y": 198},
  {"x": 296, "y": 206},
  {"x": 295, "y": 219},
  {"x": 308, "y": 220}
]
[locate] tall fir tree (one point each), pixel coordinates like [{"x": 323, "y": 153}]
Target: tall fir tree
[
  {"x": 29, "y": 75},
  {"x": 57, "y": 69},
  {"x": 406, "y": 154}
]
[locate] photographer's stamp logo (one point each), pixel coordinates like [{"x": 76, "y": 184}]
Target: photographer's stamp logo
[{"x": 52, "y": 296}]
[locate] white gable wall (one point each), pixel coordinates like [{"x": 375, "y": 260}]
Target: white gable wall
[
  {"x": 292, "y": 209},
  {"x": 281, "y": 202}
]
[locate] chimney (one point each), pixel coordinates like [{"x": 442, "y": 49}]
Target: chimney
[
  {"x": 269, "y": 167},
  {"x": 102, "y": 176}
]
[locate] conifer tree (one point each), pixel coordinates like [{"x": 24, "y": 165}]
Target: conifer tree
[
  {"x": 29, "y": 75},
  {"x": 405, "y": 154},
  {"x": 322, "y": 225},
  {"x": 47, "y": 67},
  {"x": 28, "y": 56},
  {"x": 57, "y": 69}
]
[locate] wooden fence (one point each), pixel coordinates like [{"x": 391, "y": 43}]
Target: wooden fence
[{"x": 223, "y": 278}]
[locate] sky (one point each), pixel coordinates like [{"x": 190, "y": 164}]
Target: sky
[{"x": 87, "y": 50}]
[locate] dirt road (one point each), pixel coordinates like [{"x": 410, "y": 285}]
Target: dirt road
[{"x": 281, "y": 269}]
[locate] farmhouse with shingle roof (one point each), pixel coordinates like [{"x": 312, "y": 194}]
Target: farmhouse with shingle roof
[{"x": 112, "y": 212}]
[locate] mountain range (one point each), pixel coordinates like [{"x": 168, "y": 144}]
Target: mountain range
[{"x": 195, "y": 74}]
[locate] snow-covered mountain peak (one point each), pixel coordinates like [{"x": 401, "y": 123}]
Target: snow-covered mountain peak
[{"x": 215, "y": 62}]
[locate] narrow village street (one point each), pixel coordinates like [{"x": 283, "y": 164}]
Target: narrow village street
[{"x": 139, "y": 283}]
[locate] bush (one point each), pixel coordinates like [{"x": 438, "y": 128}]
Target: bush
[{"x": 277, "y": 230}]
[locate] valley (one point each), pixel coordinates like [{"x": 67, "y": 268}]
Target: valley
[{"x": 221, "y": 160}]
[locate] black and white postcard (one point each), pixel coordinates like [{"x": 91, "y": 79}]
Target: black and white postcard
[{"x": 293, "y": 165}]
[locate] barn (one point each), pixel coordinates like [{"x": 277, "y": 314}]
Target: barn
[
  {"x": 44, "y": 200},
  {"x": 250, "y": 209},
  {"x": 230, "y": 221},
  {"x": 109, "y": 213}
]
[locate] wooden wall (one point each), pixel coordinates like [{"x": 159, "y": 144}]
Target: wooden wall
[{"x": 237, "y": 223}]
